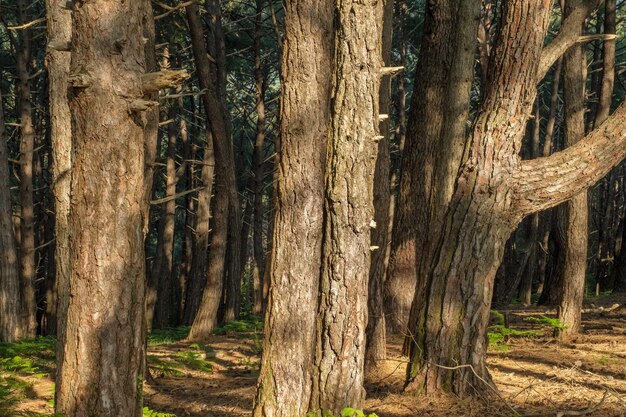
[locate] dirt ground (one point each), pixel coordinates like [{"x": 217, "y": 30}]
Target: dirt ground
[{"x": 536, "y": 376}]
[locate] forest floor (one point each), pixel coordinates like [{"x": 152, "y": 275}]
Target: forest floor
[{"x": 535, "y": 375}]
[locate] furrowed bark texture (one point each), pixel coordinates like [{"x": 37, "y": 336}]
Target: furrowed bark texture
[
  {"x": 285, "y": 381},
  {"x": 452, "y": 316},
  {"x": 59, "y": 26},
  {"x": 350, "y": 165},
  {"x": 434, "y": 147},
  {"x": 102, "y": 362},
  {"x": 574, "y": 214},
  {"x": 376, "y": 347},
  {"x": 11, "y": 319}
]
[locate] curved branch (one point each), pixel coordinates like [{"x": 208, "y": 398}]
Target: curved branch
[
  {"x": 542, "y": 183},
  {"x": 569, "y": 35}
]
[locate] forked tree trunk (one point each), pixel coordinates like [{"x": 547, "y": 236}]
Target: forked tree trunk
[
  {"x": 101, "y": 371},
  {"x": 573, "y": 215},
  {"x": 284, "y": 387},
  {"x": 11, "y": 318},
  {"x": 434, "y": 149},
  {"x": 59, "y": 26},
  {"x": 495, "y": 190},
  {"x": 27, "y": 146}
]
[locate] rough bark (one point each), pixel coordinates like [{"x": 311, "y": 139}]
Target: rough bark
[
  {"x": 284, "y": 387},
  {"x": 27, "y": 146},
  {"x": 619, "y": 274},
  {"x": 448, "y": 336},
  {"x": 376, "y": 346},
  {"x": 59, "y": 26},
  {"x": 102, "y": 361},
  {"x": 435, "y": 142},
  {"x": 573, "y": 214},
  {"x": 11, "y": 319}
]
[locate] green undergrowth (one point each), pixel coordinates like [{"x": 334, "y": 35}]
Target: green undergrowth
[
  {"x": 233, "y": 328},
  {"x": 499, "y": 334},
  {"x": 168, "y": 336},
  {"x": 196, "y": 358},
  {"x": 28, "y": 358},
  {"x": 147, "y": 412},
  {"x": 553, "y": 323}
]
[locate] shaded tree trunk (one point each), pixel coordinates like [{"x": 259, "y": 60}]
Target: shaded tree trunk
[
  {"x": 573, "y": 215},
  {"x": 27, "y": 146},
  {"x": 101, "y": 371},
  {"x": 434, "y": 148},
  {"x": 59, "y": 26},
  {"x": 11, "y": 318}
]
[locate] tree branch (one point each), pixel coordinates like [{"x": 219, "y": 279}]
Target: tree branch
[
  {"x": 542, "y": 183},
  {"x": 568, "y": 36}
]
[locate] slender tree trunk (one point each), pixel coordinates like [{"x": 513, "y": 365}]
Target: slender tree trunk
[
  {"x": 258, "y": 266},
  {"x": 225, "y": 184},
  {"x": 163, "y": 269},
  {"x": 284, "y": 387},
  {"x": 619, "y": 274},
  {"x": 435, "y": 144},
  {"x": 102, "y": 361},
  {"x": 573, "y": 214},
  {"x": 59, "y": 26},
  {"x": 376, "y": 350},
  {"x": 27, "y": 145},
  {"x": 11, "y": 318}
]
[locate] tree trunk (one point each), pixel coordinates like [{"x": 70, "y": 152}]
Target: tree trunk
[
  {"x": 434, "y": 149},
  {"x": 163, "y": 267},
  {"x": 376, "y": 349},
  {"x": 59, "y": 25},
  {"x": 11, "y": 318},
  {"x": 573, "y": 214},
  {"x": 27, "y": 145},
  {"x": 102, "y": 361},
  {"x": 495, "y": 190},
  {"x": 225, "y": 184},
  {"x": 284, "y": 387},
  {"x": 619, "y": 274},
  {"x": 258, "y": 266}
]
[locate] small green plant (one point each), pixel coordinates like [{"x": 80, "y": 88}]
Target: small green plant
[
  {"x": 147, "y": 412},
  {"x": 554, "y": 324},
  {"x": 499, "y": 334},
  {"x": 164, "y": 367},
  {"x": 168, "y": 336},
  {"x": 194, "y": 360},
  {"x": 239, "y": 326},
  {"x": 346, "y": 412}
]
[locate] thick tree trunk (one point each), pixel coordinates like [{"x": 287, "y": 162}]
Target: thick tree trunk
[
  {"x": 102, "y": 361},
  {"x": 284, "y": 387},
  {"x": 11, "y": 318},
  {"x": 376, "y": 350},
  {"x": 434, "y": 149},
  {"x": 573, "y": 214},
  {"x": 27, "y": 145},
  {"x": 59, "y": 26}
]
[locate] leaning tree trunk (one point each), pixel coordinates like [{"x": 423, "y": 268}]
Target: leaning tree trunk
[
  {"x": 11, "y": 319},
  {"x": 59, "y": 25},
  {"x": 27, "y": 145},
  {"x": 101, "y": 367},
  {"x": 573, "y": 214},
  {"x": 226, "y": 200},
  {"x": 434, "y": 147},
  {"x": 495, "y": 190},
  {"x": 284, "y": 387}
]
